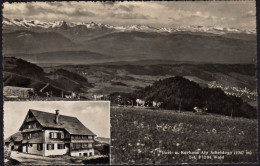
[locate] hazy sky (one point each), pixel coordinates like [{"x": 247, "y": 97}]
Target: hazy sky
[
  {"x": 237, "y": 14},
  {"x": 94, "y": 115}
]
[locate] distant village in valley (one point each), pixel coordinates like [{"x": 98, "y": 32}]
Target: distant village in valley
[{"x": 235, "y": 91}]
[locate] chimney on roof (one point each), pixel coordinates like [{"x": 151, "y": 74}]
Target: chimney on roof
[{"x": 57, "y": 116}]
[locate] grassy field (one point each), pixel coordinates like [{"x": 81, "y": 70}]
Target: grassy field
[
  {"x": 30, "y": 159},
  {"x": 154, "y": 136}
]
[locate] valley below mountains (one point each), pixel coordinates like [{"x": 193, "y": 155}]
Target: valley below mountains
[
  {"x": 88, "y": 43},
  {"x": 98, "y": 59}
]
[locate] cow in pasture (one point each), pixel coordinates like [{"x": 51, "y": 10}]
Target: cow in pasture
[
  {"x": 129, "y": 102},
  {"x": 73, "y": 95},
  {"x": 200, "y": 110},
  {"x": 68, "y": 97},
  {"x": 154, "y": 104},
  {"x": 93, "y": 97},
  {"x": 157, "y": 104},
  {"x": 140, "y": 102},
  {"x": 148, "y": 103},
  {"x": 98, "y": 97}
]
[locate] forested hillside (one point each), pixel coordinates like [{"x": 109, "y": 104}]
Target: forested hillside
[{"x": 179, "y": 93}]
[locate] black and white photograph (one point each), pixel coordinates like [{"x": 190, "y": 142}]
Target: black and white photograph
[
  {"x": 56, "y": 133},
  {"x": 180, "y": 76}
]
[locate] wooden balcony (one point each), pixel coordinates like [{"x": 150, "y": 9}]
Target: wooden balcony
[
  {"x": 59, "y": 139},
  {"x": 31, "y": 130},
  {"x": 82, "y": 138},
  {"x": 81, "y": 148},
  {"x": 82, "y": 141}
]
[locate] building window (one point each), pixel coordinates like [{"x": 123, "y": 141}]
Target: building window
[
  {"x": 84, "y": 145},
  {"x": 39, "y": 147},
  {"x": 50, "y": 146},
  {"x": 77, "y": 145},
  {"x": 29, "y": 136},
  {"x": 80, "y": 154},
  {"x": 81, "y": 145},
  {"x": 56, "y": 135},
  {"x": 90, "y": 153},
  {"x": 61, "y": 146},
  {"x": 53, "y": 135},
  {"x": 30, "y": 145}
]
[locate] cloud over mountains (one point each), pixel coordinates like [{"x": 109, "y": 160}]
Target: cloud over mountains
[{"x": 234, "y": 14}]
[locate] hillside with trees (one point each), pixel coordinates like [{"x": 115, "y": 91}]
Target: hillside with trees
[
  {"x": 20, "y": 73},
  {"x": 178, "y": 93}
]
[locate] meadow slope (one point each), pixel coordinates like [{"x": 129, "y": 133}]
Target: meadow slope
[{"x": 144, "y": 136}]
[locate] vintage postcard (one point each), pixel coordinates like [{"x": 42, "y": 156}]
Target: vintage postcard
[
  {"x": 180, "y": 75},
  {"x": 56, "y": 133}
]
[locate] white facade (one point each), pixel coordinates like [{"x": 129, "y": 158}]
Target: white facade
[
  {"x": 55, "y": 142},
  {"x": 87, "y": 152},
  {"x": 32, "y": 149},
  {"x": 55, "y": 151},
  {"x": 47, "y": 135}
]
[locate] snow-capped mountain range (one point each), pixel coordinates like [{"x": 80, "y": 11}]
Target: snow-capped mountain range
[{"x": 29, "y": 24}]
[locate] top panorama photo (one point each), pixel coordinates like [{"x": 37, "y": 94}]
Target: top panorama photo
[{"x": 70, "y": 51}]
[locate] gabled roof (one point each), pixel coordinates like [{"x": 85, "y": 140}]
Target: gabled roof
[
  {"x": 17, "y": 137},
  {"x": 70, "y": 124}
]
